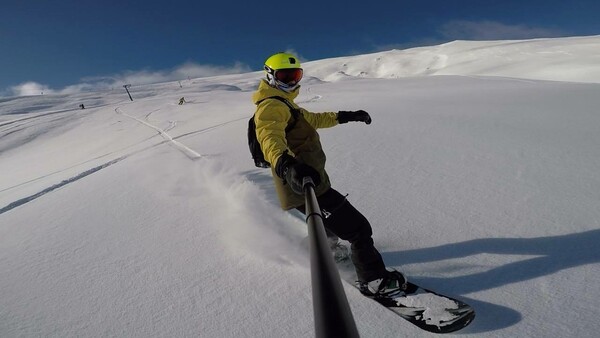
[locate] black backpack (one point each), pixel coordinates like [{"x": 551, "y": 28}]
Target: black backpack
[{"x": 257, "y": 154}]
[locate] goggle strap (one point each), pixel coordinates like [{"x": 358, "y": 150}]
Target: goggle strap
[{"x": 269, "y": 70}]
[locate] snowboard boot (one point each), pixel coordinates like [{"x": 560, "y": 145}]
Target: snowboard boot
[
  {"x": 340, "y": 252},
  {"x": 391, "y": 285}
]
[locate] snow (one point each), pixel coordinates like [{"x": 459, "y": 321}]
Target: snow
[{"x": 480, "y": 175}]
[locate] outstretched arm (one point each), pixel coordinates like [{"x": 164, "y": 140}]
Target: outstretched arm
[{"x": 320, "y": 120}]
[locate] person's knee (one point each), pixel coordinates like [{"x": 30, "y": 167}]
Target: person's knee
[
  {"x": 349, "y": 224},
  {"x": 359, "y": 237}
]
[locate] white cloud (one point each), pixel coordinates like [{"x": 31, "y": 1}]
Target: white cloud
[
  {"x": 188, "y": 69},
  {"x": 78, "y": 88},
  {"x": 30, "y": 88},
  {"x": 492, "y": 30}
]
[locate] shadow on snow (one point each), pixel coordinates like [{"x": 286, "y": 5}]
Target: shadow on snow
[{"x": 552, "y": 254}]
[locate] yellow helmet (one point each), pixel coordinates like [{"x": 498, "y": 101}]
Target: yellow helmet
[
  {"x": 282, "y": 61},
  {"x": 283, "y": 71}
]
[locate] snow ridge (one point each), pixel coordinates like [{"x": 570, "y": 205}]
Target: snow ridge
[{"x": 574, "y": 59}]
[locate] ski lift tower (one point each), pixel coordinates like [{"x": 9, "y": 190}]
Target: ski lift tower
[{"x": 127, "y": 90}]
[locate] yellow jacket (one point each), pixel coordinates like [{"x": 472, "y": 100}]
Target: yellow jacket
[{"x": 272, "y": 117}]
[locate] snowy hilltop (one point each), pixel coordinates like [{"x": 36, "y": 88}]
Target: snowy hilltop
[
  {"x": 480, "y": 176},
  {"x": 575, "y": 59}
]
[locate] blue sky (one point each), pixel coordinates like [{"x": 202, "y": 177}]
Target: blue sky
[{"x": 55, "y": 44}]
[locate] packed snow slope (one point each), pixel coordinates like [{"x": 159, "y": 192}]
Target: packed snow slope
[{"x": 148, "y": 218}]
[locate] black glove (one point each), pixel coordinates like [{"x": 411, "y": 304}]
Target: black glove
[
  {"x": 293, "y": 172},
  {"x": 359, "y": 116}
]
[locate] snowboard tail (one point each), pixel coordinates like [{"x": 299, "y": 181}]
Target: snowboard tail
[{"x": 429, "y": 310}]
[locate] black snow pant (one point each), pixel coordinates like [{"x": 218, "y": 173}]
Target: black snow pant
[{"x": 343, "y": 220}]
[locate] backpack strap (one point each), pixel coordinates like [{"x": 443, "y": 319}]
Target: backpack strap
[{"x": 294, "y": 111}]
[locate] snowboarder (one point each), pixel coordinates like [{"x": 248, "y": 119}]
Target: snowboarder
[
  {"x": 181, "y": 101},
  {"x": 291, "y": 144}
]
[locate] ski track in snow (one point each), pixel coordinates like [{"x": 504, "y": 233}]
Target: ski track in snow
[
  {"x": 2, "y": 124},
  {"x": 59, "y": 185},
  {"x": 190, "y": 153},
  {"x": 210, "y": 128},
  {"x": 82, "y": 163}
]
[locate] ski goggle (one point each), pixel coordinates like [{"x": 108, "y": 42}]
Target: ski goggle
[{"x": 289, "y": 75}]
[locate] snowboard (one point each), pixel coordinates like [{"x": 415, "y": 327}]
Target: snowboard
[{"x": 427, "y": 309}]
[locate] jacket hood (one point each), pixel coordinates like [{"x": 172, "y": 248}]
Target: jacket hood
[{"x": 265, "y": 90}]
